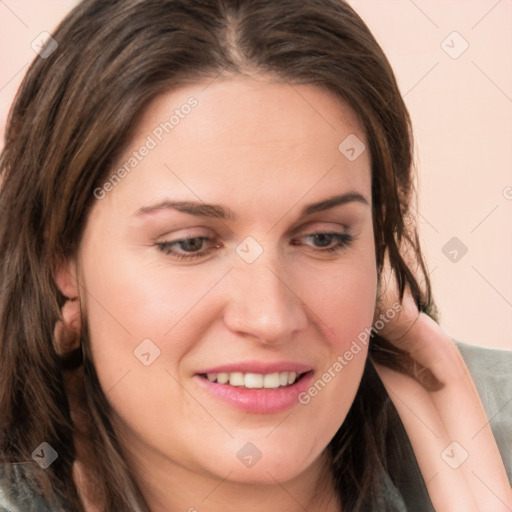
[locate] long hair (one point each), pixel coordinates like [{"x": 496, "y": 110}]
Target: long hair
[{"x": 74, "y": 112}]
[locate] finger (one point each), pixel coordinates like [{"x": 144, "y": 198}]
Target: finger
[
  {"x": 465, "y": 420},
  {"x": 458, "y": 406},
  {"x": 473, "y": 444},
  {"x": 448, "y": 489}
]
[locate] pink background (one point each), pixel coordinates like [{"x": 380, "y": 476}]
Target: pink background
[{"x": 462, "y": 114}]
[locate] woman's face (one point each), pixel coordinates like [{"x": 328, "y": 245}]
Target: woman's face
[{"x": 228, "y": 269}]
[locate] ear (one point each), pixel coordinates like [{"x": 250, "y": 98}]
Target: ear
[
  {"x": 66, "y": 279},
  {"x": 67, "y": 332}
]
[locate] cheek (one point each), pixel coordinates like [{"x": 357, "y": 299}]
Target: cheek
[
  {"x": 348, "y": 307},
  {"x": 128, "y": 304},
  {"x": 345, "y": 316},
  {"x": 343, "y": 299}
]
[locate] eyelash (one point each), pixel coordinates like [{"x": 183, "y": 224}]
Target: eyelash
[{"x": 344, "y": 240}]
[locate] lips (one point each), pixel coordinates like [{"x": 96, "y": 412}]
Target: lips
[
  {"x": 257, "y": 387},
  {"x": 258, "y": 367}
]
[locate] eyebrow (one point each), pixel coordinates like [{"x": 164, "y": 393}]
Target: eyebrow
[{"x": 220, "y": 212}]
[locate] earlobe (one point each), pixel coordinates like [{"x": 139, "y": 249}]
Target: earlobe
[{"x": 67, "y": 331}]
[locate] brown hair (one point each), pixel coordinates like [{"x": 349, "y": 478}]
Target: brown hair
[{"x": 75, "y": 111}]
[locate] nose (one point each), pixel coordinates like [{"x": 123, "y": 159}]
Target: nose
[{"x": 262, "y": 302}]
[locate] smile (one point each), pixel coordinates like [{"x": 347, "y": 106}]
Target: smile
[
  {"x": 256, "y": 388},
  {"x": 255, "y": 380}
]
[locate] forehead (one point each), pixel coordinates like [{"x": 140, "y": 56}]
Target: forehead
[{"x": 235, "y": 139}]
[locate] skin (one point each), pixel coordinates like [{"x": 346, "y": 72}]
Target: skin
[
  {"x": 264, "y": 150},
  {"x": 446, "y": 425}
]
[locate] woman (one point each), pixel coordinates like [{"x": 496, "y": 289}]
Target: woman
[{"x": 211, "y": 299}]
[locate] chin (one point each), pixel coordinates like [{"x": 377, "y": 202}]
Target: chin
[{"x": 273, "y": 462}]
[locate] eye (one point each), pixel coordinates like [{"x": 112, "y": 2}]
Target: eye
[
  {"x": 323, "y": 241},
  {"x": 188, "y": 248}
]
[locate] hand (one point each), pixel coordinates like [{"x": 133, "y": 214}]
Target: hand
[{"x": 446, "y": 425}]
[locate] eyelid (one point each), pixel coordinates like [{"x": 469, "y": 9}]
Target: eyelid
[
  {"x": 184, "y": 233},
  {"x": 319, "y": 226},
  {"x": 165, "y": 247}
]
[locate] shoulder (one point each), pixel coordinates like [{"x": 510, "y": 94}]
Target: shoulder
[
  {"x": 491, "y": 371},
  {"x": 27, "y": 503},
  {"x": 15, "y": 496},
  {"x": 5, "y": 505},
  {"x": 482, "y": 360}
]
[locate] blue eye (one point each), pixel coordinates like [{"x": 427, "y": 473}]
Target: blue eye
[
  {"x": 187, "y": 248},
  {"x": 328, "y": 242}
]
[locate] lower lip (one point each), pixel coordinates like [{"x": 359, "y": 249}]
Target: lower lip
[{"x": 258, "y": 401}]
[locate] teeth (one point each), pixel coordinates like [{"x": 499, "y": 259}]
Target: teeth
[
  {"x": 291, "y": 377},
  {"x": 222, "y": 378},
  {"x": 271, "y": 380},
  {"x": 254, "y": 380},
  {"x": 236, "y": 379}
]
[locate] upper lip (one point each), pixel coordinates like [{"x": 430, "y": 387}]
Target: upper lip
[{"x": 259, "y": 367}]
